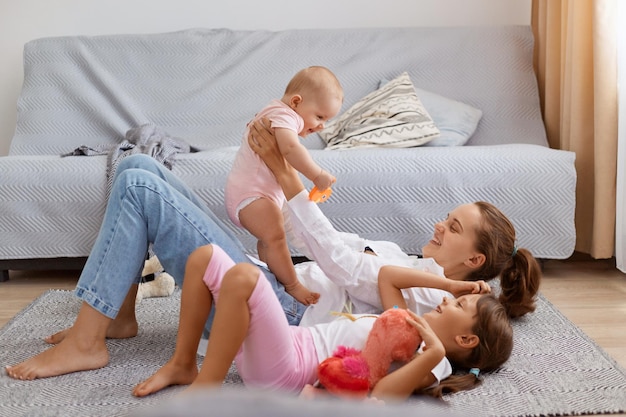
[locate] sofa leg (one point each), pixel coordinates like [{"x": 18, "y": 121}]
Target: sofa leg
[{"x": 4, "y": 275}]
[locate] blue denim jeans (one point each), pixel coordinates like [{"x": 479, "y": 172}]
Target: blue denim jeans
[{"x": 149, "y": 204}]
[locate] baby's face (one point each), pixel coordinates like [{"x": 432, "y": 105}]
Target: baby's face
[{"x": 317, "y": 110}]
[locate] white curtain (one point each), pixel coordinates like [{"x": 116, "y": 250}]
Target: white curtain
[{"x": 620, "y": 209}]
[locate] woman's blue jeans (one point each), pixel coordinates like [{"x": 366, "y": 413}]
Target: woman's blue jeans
[{"x": 149, "y": 204}]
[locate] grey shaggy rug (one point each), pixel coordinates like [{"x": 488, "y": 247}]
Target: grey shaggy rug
[{"x": 555, "y": 369}]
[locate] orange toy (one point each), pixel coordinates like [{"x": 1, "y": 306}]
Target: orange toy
[
  {"x": 353, "y": 373},
  {"x": 318, "y": 196}
]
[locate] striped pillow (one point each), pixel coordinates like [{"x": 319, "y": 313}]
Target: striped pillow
[{"x": 392, "y": 116}]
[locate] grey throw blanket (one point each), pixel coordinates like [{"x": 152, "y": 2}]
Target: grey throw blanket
[{"x": 147, "y": 139}]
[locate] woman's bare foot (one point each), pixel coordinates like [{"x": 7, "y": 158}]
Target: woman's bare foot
[
  {"x": 302, "y": 294},
  {"x": 169, "y": 374},
  {"x": 56, "y": 338},
  {"x": 117, "y": 330},
  {"x": 72, "y": 354},
  {"x": 122, "y": 329}
]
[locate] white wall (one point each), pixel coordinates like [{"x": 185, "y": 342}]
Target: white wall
[{"x": 23, "y": 20}]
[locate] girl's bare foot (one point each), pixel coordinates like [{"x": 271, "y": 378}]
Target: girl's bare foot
[
  {"x": 169, "y": 374},
  {"x": 302, "y": 294},
  {"x": 72, "y": 354},
  {"x": 117, "y": 330},
  {"x": 198, "y": 385}
]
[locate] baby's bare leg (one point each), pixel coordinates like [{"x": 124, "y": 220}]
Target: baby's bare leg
[
  {"x": 265, "y": 221},
  {"x": 83, "y": 348}
]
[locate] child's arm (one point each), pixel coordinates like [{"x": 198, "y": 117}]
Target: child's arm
[
  {"x": 299, "y": 157},
  {"x": 393, "y": 279},
  {"x": 416, "y": 374}
]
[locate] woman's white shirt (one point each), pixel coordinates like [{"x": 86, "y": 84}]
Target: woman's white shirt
[{"x": 345, "y": 276}]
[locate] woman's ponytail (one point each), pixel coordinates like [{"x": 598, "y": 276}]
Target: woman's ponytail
[
  {"x": 519, "y": 283},
  {"x": 519, "y": 272}
]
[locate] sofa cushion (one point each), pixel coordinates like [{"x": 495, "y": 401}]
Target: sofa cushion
[
  {"x": 392, "y": 116},
  {"x": 455, "y": 120}
]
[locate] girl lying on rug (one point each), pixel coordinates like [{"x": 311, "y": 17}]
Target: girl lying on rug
[
  {"x": 149, "y": 204},
  {"x": 472, "y": 331}
]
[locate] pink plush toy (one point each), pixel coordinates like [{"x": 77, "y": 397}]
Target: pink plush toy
[{"x": 353, "y": 373}]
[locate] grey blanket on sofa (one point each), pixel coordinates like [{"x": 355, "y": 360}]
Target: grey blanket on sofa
[
  {"x": 204, "y": 85},
  {"x": 146, "y": 139}
]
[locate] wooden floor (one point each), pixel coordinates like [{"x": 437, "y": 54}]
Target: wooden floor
[{"x": 591, "y": 293}]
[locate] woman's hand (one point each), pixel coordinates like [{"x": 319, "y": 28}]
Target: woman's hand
[
  {"x": 262, "y": 141},
  {"x": 459, "y": 288}
]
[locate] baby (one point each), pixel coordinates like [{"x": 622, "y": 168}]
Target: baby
[{"x": 254, "y": 199}]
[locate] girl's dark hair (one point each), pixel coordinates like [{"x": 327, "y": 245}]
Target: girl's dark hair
[
  {"x": 494, "y": 330},
  {"x": 519, "y": 271}
]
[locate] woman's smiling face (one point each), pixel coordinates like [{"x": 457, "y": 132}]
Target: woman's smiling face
[{"x": 454, "y": 239}]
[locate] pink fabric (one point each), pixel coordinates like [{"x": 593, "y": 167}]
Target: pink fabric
[
  {"x": 274, "y": 354},
  {"x": 218, "y": 266},
  {"x": 249, "y": 176}
]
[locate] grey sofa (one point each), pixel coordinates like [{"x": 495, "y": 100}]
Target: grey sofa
[{"x": 203, "y": 85}]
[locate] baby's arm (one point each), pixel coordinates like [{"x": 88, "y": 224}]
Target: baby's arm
[
  {"x": 299, "y": 157},
  {"x": 393, "y": 279}
]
